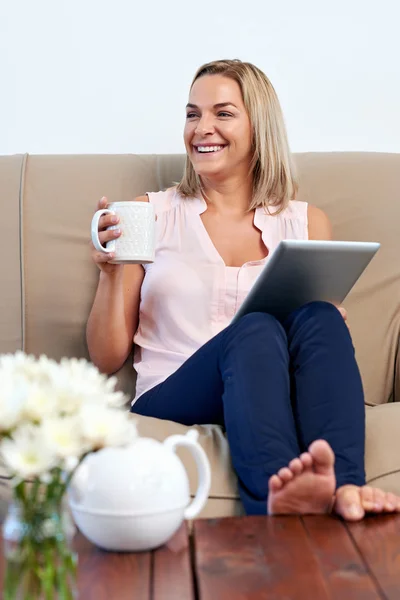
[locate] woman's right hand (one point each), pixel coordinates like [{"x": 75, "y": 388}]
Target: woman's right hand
[{"x": 101, "y": 259}]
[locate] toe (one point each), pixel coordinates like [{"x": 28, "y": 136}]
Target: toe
[
  {"x": 367, "y": 498},
  {"x": 323, "y": 457},
  {"x": 348, "y": 503},
  {"x": 285, "y": 474},
  {"x": 306, "y": 460},
  {"x": 390, "y": 502},
  {"x": 296, "y": 466},
  {"x": 275, "y": 483},
  {"x": 379, "y": 500}
]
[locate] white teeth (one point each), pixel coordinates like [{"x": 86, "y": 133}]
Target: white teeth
[{"x": 209, "y": 148}]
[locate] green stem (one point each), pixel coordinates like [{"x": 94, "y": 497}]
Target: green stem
[
  {"x": 35, "y": 490},
  {"x": 42, "y": 566}
]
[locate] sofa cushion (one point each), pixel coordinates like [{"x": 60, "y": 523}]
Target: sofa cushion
[
  {"x": 382, "y": 448},
  {"x": 60, "y": 197},
  {"x": 213, "y": 442},
  {"x": 361, "y": 194}
]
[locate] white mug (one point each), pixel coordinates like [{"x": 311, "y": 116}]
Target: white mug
[{"x": 136, "y": 244}]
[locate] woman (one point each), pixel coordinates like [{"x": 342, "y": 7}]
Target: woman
[{"x": 289, "y": 395}]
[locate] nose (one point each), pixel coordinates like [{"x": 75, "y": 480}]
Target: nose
[{"x": 205, "y": 125}]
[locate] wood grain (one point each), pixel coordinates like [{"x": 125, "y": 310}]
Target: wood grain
[
  {"x": 252, "y": 558},
  {"x": 378, "y": 540},
  {"x": 256, "y": 558},
  {"x": 164, "y": 574},
  {"x": 107, "y": 575},
  {"x": 172, "y": 573},
  {"x": 345, "y": 573}
]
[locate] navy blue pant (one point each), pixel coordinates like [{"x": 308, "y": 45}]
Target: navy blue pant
[{"x": 275, "y": 388}]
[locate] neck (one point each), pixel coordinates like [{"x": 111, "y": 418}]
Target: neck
[{"x": 233, "y": 195}]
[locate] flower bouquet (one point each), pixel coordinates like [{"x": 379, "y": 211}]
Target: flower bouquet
[{"x": 51, "y": 416}]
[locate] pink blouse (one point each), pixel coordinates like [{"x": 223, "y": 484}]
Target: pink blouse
[{"x": 188, "y": 294}]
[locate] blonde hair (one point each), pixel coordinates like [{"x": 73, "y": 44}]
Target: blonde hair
[{"x": 274, "y": 179}]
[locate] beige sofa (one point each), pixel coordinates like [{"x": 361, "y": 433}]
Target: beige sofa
[{"x": 48, "y": 280}]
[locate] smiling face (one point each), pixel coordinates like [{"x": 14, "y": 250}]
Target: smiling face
[{"x": 218, "y": 132}]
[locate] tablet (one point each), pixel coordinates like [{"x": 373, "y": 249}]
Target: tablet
[{"x": 302, "y": 271}]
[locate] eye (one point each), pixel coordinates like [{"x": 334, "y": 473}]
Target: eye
[
  {"x": 224, "y": 114},
  {"x": 191, "y": 115}
]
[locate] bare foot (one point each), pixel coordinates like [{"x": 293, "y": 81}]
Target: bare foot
[
  {"x": 352, "y": 502},
  {"x": 307, "y": 485}
]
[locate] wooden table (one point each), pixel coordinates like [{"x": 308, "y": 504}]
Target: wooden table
[{"x": 253, "y": 558}]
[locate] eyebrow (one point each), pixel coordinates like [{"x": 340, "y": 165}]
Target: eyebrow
[{"x": 219, "y": 105}]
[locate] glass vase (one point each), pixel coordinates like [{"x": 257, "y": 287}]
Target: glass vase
[{"x": 37, "y": 537}]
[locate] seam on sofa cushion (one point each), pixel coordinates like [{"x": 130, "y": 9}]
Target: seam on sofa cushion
[
  {"x": 21, "y": 248},
  {"x": 385, "y": 474},
  {"x": 396, "y": 384}
]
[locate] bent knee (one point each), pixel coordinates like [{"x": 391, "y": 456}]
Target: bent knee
[
  {"x": 317, "y": 309},
  {"x": 317, "y": 312},
  {"x": 259, "y": 321}
]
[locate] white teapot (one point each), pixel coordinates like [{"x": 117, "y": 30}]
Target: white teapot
[{"x": 136, "y": 497}]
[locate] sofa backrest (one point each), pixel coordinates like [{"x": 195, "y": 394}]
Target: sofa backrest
[
  {"x": 11, "y": 306},
  {"x": 47, "y": 203}
]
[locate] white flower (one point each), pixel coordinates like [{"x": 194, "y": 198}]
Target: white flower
[
  {"x": 12, "y": 396},
  {"x": 39, "y": 403},
  {"x": 17, "y": 364},
  {"x": 64, "y": 436},
  {"x": 77, "y": 382},
  {"x": 26, "y": 454},
  {"x": 98, "y": 384},
  {"x": 55, "y": 413},
  {"x": 102, "y": 427},
  {"x": 24, "y": 385},
  {"x": 27, "y": 367}
]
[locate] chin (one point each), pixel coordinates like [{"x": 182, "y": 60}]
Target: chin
[{"x": 204, "y": 170}]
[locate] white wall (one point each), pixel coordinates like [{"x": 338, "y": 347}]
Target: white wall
[{"x": 111, "y": 76}]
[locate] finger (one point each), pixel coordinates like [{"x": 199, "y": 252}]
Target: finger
[
  {"x": 103, "y": 202},
  {"x": 108, "y": 235},
  {"x": 103, "y": 257},
  {"x": 343, "y": 312},
  {"x": 108, "y": 221}
]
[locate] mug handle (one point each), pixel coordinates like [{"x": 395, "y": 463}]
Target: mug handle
[
  {"x": 95, "y": 231},
  {"x": 203, "y": 466}
]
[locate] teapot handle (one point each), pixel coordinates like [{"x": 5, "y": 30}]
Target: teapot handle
[{"x": 203, "y": 466}]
